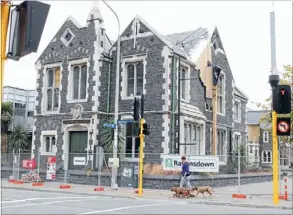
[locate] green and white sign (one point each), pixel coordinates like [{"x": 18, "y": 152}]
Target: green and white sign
[{"x": 207, "y": 163}]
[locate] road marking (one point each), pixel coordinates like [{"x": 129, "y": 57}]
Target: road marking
[
  {"x": 48, "y": 203},
  {"x": 72, "y": 197},
  {"x": 127, "y": 207}
]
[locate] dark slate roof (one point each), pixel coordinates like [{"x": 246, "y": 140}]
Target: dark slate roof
[
  {"x": 253, "y": 117},
  {"x": 189, "y": 39}
]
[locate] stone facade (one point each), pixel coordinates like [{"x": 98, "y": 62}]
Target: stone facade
[{"x": 92, "y": 104}]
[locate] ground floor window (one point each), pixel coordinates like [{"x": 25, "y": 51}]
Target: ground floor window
[
  {"x": 221, "y": 145},
  {"x": 267, "y": 156},
  {"x": 192, "y": 138},
  {"x": 131, "y": 143}
]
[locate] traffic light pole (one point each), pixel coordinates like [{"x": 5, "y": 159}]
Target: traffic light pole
[
  {"x": 5, "y": 8},
  {"x": 141, "y": 141},
  {"x": 274, "y": 81}
]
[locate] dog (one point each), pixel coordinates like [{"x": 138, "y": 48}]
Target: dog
[
  {"x": 202, "y": 190},
  {"x": 181, "y": 192}
]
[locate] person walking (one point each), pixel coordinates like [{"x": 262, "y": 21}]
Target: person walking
[{"x": 185, "y": 178}]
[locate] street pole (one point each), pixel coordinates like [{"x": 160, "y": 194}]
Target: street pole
[
  {"x": 141, "y": 138},
  {"x": 5, "y": 9},
  {"x": 239, "y": 168},
  {"x": 214, "y": 120},
  {"x": 115, "y": 145},
  {"x": 179, "y": 102},
  {"x": 274, "y": 81}
]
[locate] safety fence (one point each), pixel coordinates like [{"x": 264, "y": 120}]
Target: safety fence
[{"x": 159, "y": 171}]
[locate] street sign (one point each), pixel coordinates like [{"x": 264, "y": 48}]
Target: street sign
[
  {"x": 124, "y": 121},
  {"x": 283, "y": 126},
  {"x": 109, "y": 125}
]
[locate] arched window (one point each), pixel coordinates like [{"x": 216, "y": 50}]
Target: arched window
[
  {"x": 265, "y": 136},
  {"x": 79, "y": 81},
  {"x": 49, "y": 143},
  {"x": 221, "y": 93},
  {"x": 130, "y": 80},
  {"x": 53, "y": 85},
  {"x": 135, "y": 76},
  {"x": 269, "y": 157},
  {"x": 264, "y": 156}
]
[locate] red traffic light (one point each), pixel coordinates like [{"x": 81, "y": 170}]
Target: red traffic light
[{"x": 282, "y": 99}]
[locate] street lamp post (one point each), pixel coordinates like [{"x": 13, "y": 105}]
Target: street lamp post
[{"x": 115, "y": 145}]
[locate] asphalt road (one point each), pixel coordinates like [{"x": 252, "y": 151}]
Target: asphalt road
[{"x": 34, "y": 202}]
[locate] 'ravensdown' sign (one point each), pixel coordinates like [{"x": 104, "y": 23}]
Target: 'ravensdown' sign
[{"x": 207, "y": 163}]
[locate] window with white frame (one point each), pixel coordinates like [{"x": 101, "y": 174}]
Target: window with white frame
[
  {"x": 237, "y": 113},
  {"x": 192, "y": 138},
  {"x": 184, "y": 83},
  {"x": 221, "y": 94},
  {"x": 79, "y": 81},
  {"x": 53, "y": 89},
  {"x": 265, "y": 136},
  {"x": 266, "y": 156},
  {"x": 49, "y": 143},
  {"x": 221, "y": 145},
  {"x": 134, "y": 77}
]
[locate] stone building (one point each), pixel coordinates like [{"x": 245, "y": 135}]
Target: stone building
[
  {"x": 76, "y": 91},
  {"x": 259, "y": 145}
]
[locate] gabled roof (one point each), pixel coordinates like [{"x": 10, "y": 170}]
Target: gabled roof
[
  {"x": 240, "y": 93},
  {"x": 254, "y": 117},
  {"x": 193, "y": 42}
]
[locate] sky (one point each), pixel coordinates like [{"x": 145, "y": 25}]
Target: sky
[{"x": 244, "y": 28}]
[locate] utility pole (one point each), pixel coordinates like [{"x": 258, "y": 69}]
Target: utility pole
[
  {"x": 216, "y": 70},
  {"x": 116, "y": 115},
  {"x": 274, "y": 81}
]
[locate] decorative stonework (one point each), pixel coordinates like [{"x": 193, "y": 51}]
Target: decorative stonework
[{"x": 76, "y": 111}]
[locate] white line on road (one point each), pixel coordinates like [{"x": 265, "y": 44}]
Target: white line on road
[
  {"x": 127, "y": 207},
  {"x": 48, "y": 203},
  {"x": 72, "y": 197}
]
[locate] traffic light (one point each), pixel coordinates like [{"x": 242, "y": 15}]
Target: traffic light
[
  {"x": 27, "y": 23},
  {"x": 282, "y": 99},
  {"x": 136, "y": 110},
  {"x": 146, "y": 129}
]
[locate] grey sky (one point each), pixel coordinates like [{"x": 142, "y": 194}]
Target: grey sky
[{"x": 244, "y": 28}]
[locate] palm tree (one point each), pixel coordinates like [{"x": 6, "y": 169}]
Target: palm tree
[
  {"x": 6, "y": 119},
  {"x": 18, "y": 139},
  {"x": 107, "y": 139}
]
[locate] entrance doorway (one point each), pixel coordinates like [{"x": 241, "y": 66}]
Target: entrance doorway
[{"x": 77, "y": 149}]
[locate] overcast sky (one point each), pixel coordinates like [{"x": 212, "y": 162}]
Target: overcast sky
[{"x": 244, "y": 28}]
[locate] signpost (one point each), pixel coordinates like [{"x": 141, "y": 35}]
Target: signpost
[
  {"x": 283, "y": 126},
  {"x": 109, "y": 125},
  {"x": 124, "y": 121}
]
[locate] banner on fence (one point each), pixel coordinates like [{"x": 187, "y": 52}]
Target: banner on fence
[
  {"x": 51, "y": 168},
  {"x": 196, "y": 163}
]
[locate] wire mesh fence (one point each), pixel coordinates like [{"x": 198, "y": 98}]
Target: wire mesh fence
[{"x": 96, "y": 169}]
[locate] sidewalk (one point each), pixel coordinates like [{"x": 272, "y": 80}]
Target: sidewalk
[{"x": 221, "y": 196}]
